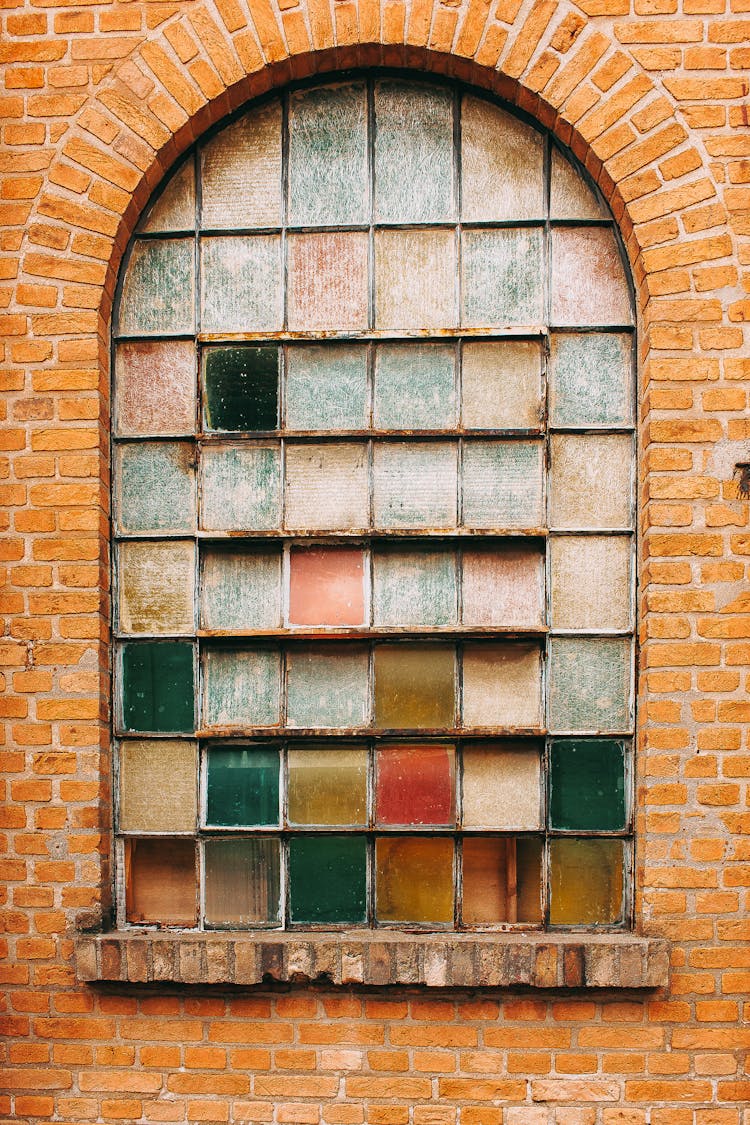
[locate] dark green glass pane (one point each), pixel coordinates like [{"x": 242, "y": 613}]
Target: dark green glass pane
[
  {"x": 158, "y": 689},
  {"x": 587, "y": 784},
  {"x": 243, "y": 786},
  {"x": 328, "y": 878},
  {"x": 241, "y": 388}
]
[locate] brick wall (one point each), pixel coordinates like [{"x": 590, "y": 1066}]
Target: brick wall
[{"x": 97, "y": 102}]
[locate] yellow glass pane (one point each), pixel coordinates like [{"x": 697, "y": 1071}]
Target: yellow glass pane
[
  {"x": 158, "y": 785},
  {"x": 414, "y": 686},
  {"x": 414, "y": 879},
  {"x": 586, "y": 882},
  {"x": 327, "y": 785},
  {"x": 157, "y": 581}
]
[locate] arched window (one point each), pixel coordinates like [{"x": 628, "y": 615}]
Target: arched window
[{"x": 374, "y": 526}]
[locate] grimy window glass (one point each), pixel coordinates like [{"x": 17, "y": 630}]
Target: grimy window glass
[{"x": 374, "y": 574}]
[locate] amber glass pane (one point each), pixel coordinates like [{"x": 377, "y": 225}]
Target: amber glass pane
[
  {"x": 327, "y": 785},
  {"x": 155, "y": 387},
  {"x": 501, "y": 786},
  {"x": 156, "y": 587},
  {"x": 415, "y": 785},
  {"x": 502, "y": 685},
  {"x": 503, "y": 586},
  {"x": 160, "y": 881},
  {"x": 415, "y": 686},
  {"x": 242, "y": 882},
  {"x": 158, "y": 786},
  {"x": 586, "y": 882},
  {"x": 326, "y": 586},
  {"x": 414, "y": 879},
  {"x": 502, "y": 880}
]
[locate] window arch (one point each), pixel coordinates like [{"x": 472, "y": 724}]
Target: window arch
[{"x": 374, "y": 525}]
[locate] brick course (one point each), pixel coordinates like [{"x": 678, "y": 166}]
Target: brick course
[{"x": 97, "y": 102}]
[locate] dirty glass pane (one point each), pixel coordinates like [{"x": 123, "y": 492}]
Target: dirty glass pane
[
  {"x": 241, "y": 284},
  {"x": 157, "y": 294},
  {"x": 502, "y": 880},
  {"x": 242, "y": 786},
  {"x": 242, "y": 882},
  {"x": 155, "y": 486},
  {"x": 590, "y": 683},
  {"x": 240, "y": 688},
  {"x": 327, "y": 687},
  {"x": 157, "y": 581},
  {"x": 501, "y": 384},
  {"x": 503, "y": 586},
  {"x": 160, "y": 882},
  {"x": 241, "y": 588},
  {"x": 158, "y": 690},
  {"x": 591, "y": 379},
  {"x": 326, "y": 487},
  {"x": 502, "y": 277},
  {"x": 591, "y": 480},
  {"x": 174, "y": 210},
  {"x": 327, "y": 281},
  {"x": 591, "y": 582},
  {"x": 502, "y": 165},
  {"x": 241, "y": 388},
  {"x": 415, "y": 785},
  {"x": 327, "y": 784},
  {"x": 588, "y": 278},
  {"x": 415, "y": 686},
  {"x": 414, "y": 879},
  {"x": 502, "y": 484},
  {"x": 587, "y": 785},
  {"x": 415, "y": 279},
  {"x": 586, "y": 882},
  {"x": 415, "y": 485},
  {"x": 414, "y": 588},
  {"x": 501, "y": 786},
  {"x": 328, "y": 879},
  {"x": 413, "y": 153},
  {"x": 155, "y": 388},
  {"x": 241, "y": 172},
  {"x": 326, "y": 586},
  {"x": 240, "y": 488},
  {"x": 415, "y": 387},
  {"x": 570, "y": 195},
  {"x": 326, "y": 387},
  {"x": 502, "y": 685},
  {"x": 158, "y": 786},
  {"x": 328, "y": 179}
]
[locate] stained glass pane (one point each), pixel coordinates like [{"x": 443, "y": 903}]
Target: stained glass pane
[
  {"x": 415, "y": 485},
  {"x": 241, "y": 284},
  {"x": 158, "y": 786},
  {"x": 327, "y": 785},
  {"x": 174, "y": 210},
  {"x": 415, "y": 686},
  {"x": 157, "y": 294},
  {"x": 326, "y": 387},
  {"x": 591, "y": 581},
  {"x": 502, "y": 173},
  {"x": 502, "y": 685},
  {"x": 586, "y": 882},
  {"x": 240, "y": 487},
  {"x": 591, "y": 379},
  {"x": 415, "y": 387},
  {"x": 241, "y": 388},
  {"x": 328, "y": 180},
  {"x": 240, "y": 688},
  {"x": 241, "y": 172},
  {"x": 326, "y": 487},
  {"x": 242, "y": 787},
  {"x": 502, "y": 277},
  {"x": 326, "y": 586},
  {"x": 242, "y": 882},
  {"x": 589, "y": 285},
  {"x": 590, "y": 683},
  {"x": 501, "y": 786},
  {"x": 415, "y": 785},
  {"x": 502, "y": 484},
  {"x": 502, "y": 880},
  {"x": 157, "y": 583},
  {"x": 327, "y": 281},
  {"x": 413, "y": 153},
  {"x": 328, "y": 687},
  {"x": 570, "y": 196},
  {"x": 160, "y": 882},
  {"x": 414, "y": 588},
  {"x": 155, "y": 387},
  {"x": 591, "y": 480},
  {"x": 503, "y": 586},
  {"x": 155, "y": 486},
  {"x": 415, "y": 279},
  {"x": 587, "y": 785},
  {"x": 501, "y": 383},
  {"x": 414, "y": 879},
  {"x": 240, "y": 588},
  {"x": 158, "y": 690},
  {"x": 328, "y": 879}
]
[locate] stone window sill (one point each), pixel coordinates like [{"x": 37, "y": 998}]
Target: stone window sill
[{"x": 612, "y": 960}]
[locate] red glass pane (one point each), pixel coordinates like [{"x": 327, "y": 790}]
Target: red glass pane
[
  {"x": 415, "y": 785},
  {"x": 326, "y": 586}
]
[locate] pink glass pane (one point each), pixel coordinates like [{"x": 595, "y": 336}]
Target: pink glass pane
[
  {"x": 588, "y": 278},
  {"x": 155, "y": 387},
  {"x": 503, "y": 587},
  {"x": 415, "y": 785},
  {"x": 327, "y": 281},
  {"x": 326, "y": 586}
]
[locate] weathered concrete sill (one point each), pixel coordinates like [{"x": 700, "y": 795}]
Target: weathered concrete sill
[{"x": 363, "y": 957}]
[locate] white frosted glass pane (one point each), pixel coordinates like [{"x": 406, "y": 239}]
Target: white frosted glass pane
[
  {"x": 241, "y": 172},
  {"x": 241, "y": 283},
  {"x": 589, "y": 285},
  {"x": 501, "y": 384},
  {"x": 175, "y": 208},
  {"x": 240, "y": 488},
  {"x": 590, "y": 684},
  {"x": 591, "y": 378},
  {"x": 501, "y": 786},
  {"x": 502, "y": 685},
  {"x": 415, "y": 279},
  {"x": 590, "y": 581},
  {"x": 415, "y": 485},
  {"x": 502, "y": 165},
  {"x": 570, "y": 195},
  {"x": 413, "y": 153},
  {"x": 326, "y": 487},
  {"x": 502, "y": 484},
  {"x": 591, "y": 481},
  {"x": 328, "y": 180}
]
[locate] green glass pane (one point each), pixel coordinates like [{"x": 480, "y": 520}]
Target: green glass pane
[
  {"x": 327, "y": 784},
  {"x": 157, "y": 294},
  {"x": 326, "y": 387},
  {"x": 502, "y": 484},
  {"x": 242, "y": 882},
  {"x": 158, "y": 690},
  {"x": 591, "y": 379},
  {"x": 155, "y": 486},
  {"x": 241, "y": 283},
  {"x": 502, "y": 277},
  {"x": 327, "y": 687},
  {"x": 414, "y": 588},
  {"x": 328, "y": 879},
  {"x": 328, "y": 180},
  {"x": 241, "y": 388},
  {"x": 415, "y": 387},
  {"x": 413, "y": 153},
  {"x": 240, "y": 588},
  {"x": 586, "y": 882},
  {"x": 587, "y": 785},
  {"x": 590, "y": 684},
  {"x": 241, "y": 688},
  {"x": 242, "y": 786},
  {"x": 415, "y": 686},
  {"x": 240, "y": 488}
]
